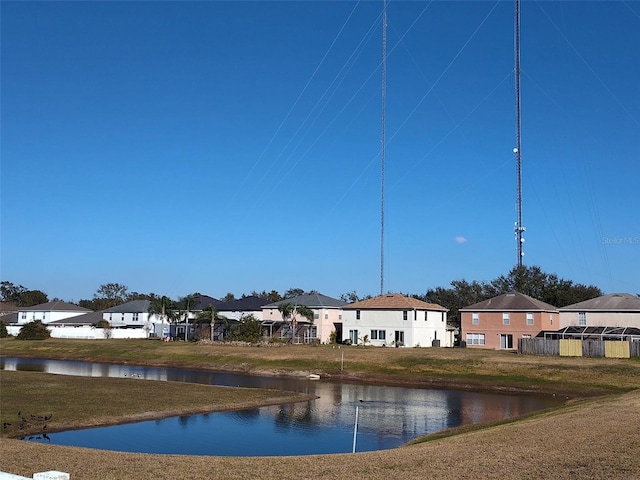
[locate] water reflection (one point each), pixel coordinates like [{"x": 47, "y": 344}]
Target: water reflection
[{"x": 388, "y": 416}]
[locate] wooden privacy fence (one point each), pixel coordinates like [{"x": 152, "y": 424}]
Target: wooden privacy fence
[{"x": 579, "y": 348}]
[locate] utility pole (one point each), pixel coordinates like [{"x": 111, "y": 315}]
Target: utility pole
[{"x": 383, "y": 140}]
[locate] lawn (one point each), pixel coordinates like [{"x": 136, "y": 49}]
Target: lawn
[{"x": 597, "y": 435}]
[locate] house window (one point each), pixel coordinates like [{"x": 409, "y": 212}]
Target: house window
[
  {"x": 357, "y": 314},
  {"x": 135, "y": 317},
  {"x": 505, "y": 319},
  {"x": 404, "y": 315},
  {"x": 425, "y": 316},
  {"x": 475, "y": 338},
  {"x": 326, "y": 316},
  {"x": 529, "y": 318},
  {"x": 378, "y": 334},
  {"x": 24, "y": 315},
  {"x": 550, "y": 319},
  {"x": 340, "y": 317},
  {"x": 110, "y": 317},
  {"x": 316, "y": 316},
  {"x": 582, "y": 319},
  {"x": 475, "y": 319}
]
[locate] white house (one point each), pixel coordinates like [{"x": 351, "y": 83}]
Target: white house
[
  {"x": 613, "y": 310},
  {"x": 395, "y": 320},
  {"x": 49, "y": 312},
  {"x": 327, "y": 318}
]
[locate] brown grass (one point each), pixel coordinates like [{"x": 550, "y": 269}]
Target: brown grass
[{"x": 588, "y": 439}]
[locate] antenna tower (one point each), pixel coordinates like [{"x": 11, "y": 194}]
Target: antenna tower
[
  {"x": 382, "y": 140},
  {"x": 519, "y": 228}
]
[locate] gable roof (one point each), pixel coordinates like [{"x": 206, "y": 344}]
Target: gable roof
[
  {"x": 514, "y": 301},
  {"x": 614, "y": 302},
  {"x": 55, "y": 306},
  {"x": 311, "y": 300},
  {"x": 86, "y": 319},
  {"x": 246, "y": 304},
  {"x": 394, "y": 301},
  {"x": 134, "y": 306},
  {"x": 201, "y": 302}
]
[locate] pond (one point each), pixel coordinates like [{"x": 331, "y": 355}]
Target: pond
[{"x": 387, "y": 416}]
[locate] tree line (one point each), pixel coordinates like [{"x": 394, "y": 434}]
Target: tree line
[{"x": 532, "y": 281}]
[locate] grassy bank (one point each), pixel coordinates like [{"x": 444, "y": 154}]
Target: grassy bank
[
  {"x": 34, "y": 403},
  {"x": 454, "y": 368}
]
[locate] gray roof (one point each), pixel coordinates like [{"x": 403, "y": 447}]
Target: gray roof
[
  {"x": 246, "y": 304},
  {"x": 134, "y": 306},
  {"x": 312, "y": 300},
  {"x": 511, "y": 302},
  {"x": 614, "y": 302},
  {"x": 56, "y": 306},
  {"x": 201, "y": 302},
  {"x": 86, "y": 319}
]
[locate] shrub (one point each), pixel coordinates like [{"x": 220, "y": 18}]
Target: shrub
[
  {"x": 35, "y": 330},
  {"x": 249, "y": 330},
  {"x": 3, "y": 330}
]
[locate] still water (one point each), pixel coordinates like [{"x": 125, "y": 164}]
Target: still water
[{"x": 387, "y": 416}]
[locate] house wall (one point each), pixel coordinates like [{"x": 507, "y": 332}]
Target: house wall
[
  {"x": 491, "y": 325},
  {"x": 601, "y": 319},
  {"x": 417, "y": 331},
  {"x": 46, "y": 317},
  {"x": 323, "y": 320},
  {"x": 126, "y": 319},
  {"x": 236, "y": 314}
]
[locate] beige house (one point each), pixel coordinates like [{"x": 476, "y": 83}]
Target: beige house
[
  {"x": 499, "y": 322},
  {"x": 327, "y": 318},
  {"x": 613, "y": 310}
]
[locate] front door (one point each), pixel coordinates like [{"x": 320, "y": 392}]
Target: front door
[
  {"x": 353, "y": 336},
  {"x": 399, "y": 338}
]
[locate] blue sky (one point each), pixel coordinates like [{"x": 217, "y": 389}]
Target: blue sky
[{"x": 231, "y": 146}]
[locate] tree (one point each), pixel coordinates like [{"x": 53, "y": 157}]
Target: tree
[
  {"x": 208, "y": 315},
  {"x": 290, "y": 312},
  {"x": 293, "y": 292},
  {"x": 164, "y": 309},
  {"x": 112, "y": 293},
  {"x": 31, "y": 298},
  {"x": 10, "y": 292},
  {"x": 249, "y": 329},
  {"x": 229, "y": 297},
  {"x": 353, "y": 297},
  {"x": 3, "y": 330},
  {"x": 35, "y": 330}
]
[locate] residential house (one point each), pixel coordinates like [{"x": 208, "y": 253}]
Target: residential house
[
  {"x": 327, "y": 318},
  {"x": 395, "y": 320},
  {"x": 49, "y": 312},
  {"x": 613, "y": 310},
  {"x": 134, "y": 314},
  {"x": 500, "y": 321},
  {"x": 235, "y": 309}
]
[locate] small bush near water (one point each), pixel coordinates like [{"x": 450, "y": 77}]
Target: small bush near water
[{"x": 35, "y": 330}]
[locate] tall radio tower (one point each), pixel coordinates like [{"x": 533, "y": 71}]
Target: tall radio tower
[
  {"x": 382, "y": 140},
  {"x": 519, "y": 228}
]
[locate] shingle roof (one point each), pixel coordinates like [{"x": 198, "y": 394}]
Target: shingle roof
[
  {"x": 56, "y": 306},
  {"x": 86, "y": 319},
  {"x": 312, "y": 300},
  {"x": 515, "y": 301},
  {"x": 201, "y": 302},
  {"x": 246, "y": 304},
  {"x": 394, "y": 301},
  {"x": 134, "y": 306},
  {"x": 614, "y": 302}
]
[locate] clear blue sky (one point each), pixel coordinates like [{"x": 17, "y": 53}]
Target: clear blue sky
[{"x": 235, "y": 146}]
